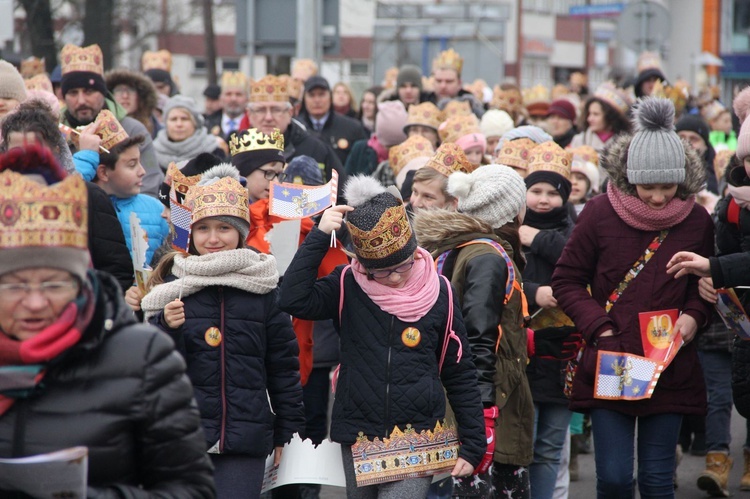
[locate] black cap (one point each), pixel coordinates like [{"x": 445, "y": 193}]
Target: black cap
[
  {"x": 694, "y": 123},
  {"x": 317, "y": 82},
  {"x": 212, "y": 92}
]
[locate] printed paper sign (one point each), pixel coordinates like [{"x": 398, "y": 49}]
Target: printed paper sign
[
  {"x": 658, "y": 336},
  {"x": 731, "y": 311}
]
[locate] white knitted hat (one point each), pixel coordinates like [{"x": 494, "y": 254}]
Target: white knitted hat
[
  {"x": 495, "y": 123},
  {"x": 493, "y": 193}
]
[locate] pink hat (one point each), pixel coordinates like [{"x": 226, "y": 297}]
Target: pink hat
[
  {"x": 390, "y": 122},
  {"x": 472, "y": 140}
]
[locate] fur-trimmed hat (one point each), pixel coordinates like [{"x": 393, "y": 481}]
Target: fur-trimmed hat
[
  {"x": 493, "y": 193},
  {"x": 379, "y": 226}
]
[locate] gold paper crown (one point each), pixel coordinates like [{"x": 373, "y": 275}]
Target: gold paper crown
[
  {"x": 390, "y": 235},
  {"x": 39, "y": 82},
  {"x": 405, "y": 454},
  {"x": 477, "y": 89},
  {"x": 515, "y": 153},
  {"x": 454, "y": 128},
  {"x": 550, "y": 157},
  {"x": 414, "y": 147},
  {"x": 253, "y": 139},
  {"x": 425, "y": 114},
  {"x": 304, "y": 69},
  {"x": 31, "y": 67},
  {"x": 537, "y": 93},
  {"x": 74, "y": 58},
  {"x": 109, "y": 129},
  {"x": 32, "y": 214},
  {"x": 224, "y": 198},
  {"x": 391, "y": 75},
  {"x": 659, "y": 90},
  {"x": 295, "y": 86},
  {"x": 270, "y": 88},
  {"x": 585, "y": 153},
  {"x": 712, "y": 111},
  {"x": 648, "y": 60},
  {"x": 160, "y": 59},
  {"x": 456, "y": 108},
  {"x": 509, "y": 100},
  {"x": 613, "y": 96},
  {"x": 721, "y": 162},
  {"x": 234, "y": 79},
  {"x": 428, "y": 83},
  {"x": 450, "y": 158},
  {"x": 179, "y": 181},
  {"x": 448, "y": 59}
]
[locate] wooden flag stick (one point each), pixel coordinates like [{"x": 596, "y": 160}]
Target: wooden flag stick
[{"x": 67, "y": 129}]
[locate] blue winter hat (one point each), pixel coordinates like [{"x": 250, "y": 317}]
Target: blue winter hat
[{"x": 303, "y": 170}]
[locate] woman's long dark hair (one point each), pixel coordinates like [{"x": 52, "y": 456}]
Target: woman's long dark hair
[
  {"x": 615, "y": 121},
  {"x": 509, "y": 233}
]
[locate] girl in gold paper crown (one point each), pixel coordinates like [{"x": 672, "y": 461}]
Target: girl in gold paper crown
[
  {"x": 218, "y": 303},
  {"x": 403, "y": 342}
]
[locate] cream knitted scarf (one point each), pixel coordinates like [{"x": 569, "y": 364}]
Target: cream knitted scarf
[{"x": 241, "y": 268}]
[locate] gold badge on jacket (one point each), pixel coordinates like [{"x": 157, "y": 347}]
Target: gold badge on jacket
[
  {"x": 342, "y": 143},
  {"x": 216, "y": 130},
  {"x": 213, "y": 336},
  {"x": 411, "y": 337}
]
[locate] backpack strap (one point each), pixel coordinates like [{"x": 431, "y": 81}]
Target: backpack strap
[
  {"x": 450, "y": 334},
  {"x": 341, "y": 291}
]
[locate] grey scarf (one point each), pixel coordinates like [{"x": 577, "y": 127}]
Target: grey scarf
[{"x": 167, "y": 151}]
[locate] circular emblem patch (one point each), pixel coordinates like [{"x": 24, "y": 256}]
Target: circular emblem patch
[
  {"x": 213, "y": 336},
  {"x": 342, "y": 143},
  {"x": 411, "y": 337}
]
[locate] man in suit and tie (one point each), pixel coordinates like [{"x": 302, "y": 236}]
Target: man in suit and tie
[{"x": 233, "y": 98}]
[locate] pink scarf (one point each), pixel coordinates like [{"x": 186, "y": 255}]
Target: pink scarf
[
  {"x": 740, "y": 194},
  {"x": 410, "y": 302},
  {"x": 379, "y": 148},
  {"x": 639, "y": 215},
  {"x": 604, "y": 136}
]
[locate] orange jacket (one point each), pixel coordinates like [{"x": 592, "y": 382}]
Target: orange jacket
[{"x": 261, "y": 222}]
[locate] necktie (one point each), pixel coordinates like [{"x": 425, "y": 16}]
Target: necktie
[
  {"x": 231, "y": 126},
  {"x": 318, "y": 126}
]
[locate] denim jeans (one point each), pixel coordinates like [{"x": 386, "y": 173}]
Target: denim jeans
[
  {"x": 551, "y": 423},
  {"x": 614, "y": 438}
]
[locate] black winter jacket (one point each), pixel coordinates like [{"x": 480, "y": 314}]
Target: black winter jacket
[
  {"x": 382, "y": 382},
  {"x": 545, "y": 376},
  {"x": 340, "y": 132},
  {"x": 247, "y": 387},
  {"x": 122, "y": 392},
  {"x": 106, "y": 240}
]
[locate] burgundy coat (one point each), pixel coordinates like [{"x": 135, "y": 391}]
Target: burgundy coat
[{"x": 600, "y": 251}]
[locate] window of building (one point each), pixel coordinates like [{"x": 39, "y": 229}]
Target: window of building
[{"x": 230, "y": 64}]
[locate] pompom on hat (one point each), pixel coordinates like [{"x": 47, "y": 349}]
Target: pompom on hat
[
  {"x": 741, "y": 107},
  {"x": 493, "y": 193},
  {"x": 656, "y": 154},
  {"x": 379, "y": 226}
]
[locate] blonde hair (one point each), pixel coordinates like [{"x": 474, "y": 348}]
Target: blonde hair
[
  {"x": 427, "y": 174},
  {"x": 352, "y": 102}
]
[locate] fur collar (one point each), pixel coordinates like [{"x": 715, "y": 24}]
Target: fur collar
[
  {"x": 435, "y": 229},
  {"x": 615, "y": 159}
]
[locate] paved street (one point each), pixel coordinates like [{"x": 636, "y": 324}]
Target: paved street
[{"x": 687, "y": 473}]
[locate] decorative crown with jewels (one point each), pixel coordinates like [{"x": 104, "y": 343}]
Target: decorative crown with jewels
[
  {"x": 253, "y": 139},
  {"x": 160, "y": 59},
  {"x": 414, "y": 147},
  {"x": 225, "y": 197},
  {"x": 448, "y": 59},
  {"x": 234, "y": 79},
  {"x": 89, "y": 59},
  {"x": 31, "y": 67},
  {"x": 515, "y": 153},
  {"x": 109, "y": 129},
  {"x": 550, "y": 157},
  {"x": 450, "y": 158},
  {"x": 270, "y": 88},
  {"x": 32, "y": 214}
]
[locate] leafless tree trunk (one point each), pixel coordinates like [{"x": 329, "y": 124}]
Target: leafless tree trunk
[
  {"x": 39, "y": 23},
  {"x": 208, "y": 26},
  {"x": 98, "y": 27}
]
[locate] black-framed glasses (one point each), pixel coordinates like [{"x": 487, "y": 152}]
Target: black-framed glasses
[
  {"x": 385, "y": 273},
  {"x": 271, "y": 174}
]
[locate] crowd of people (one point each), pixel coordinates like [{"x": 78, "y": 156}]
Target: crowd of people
[{"x": 474, "y": 303}]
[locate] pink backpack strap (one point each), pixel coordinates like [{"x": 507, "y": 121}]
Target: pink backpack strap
[{"x": 450, "y": 334}]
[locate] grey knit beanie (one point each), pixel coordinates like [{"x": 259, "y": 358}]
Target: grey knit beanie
[
  {"x": 11, "y": 82},
  {"x": 186, "y": 103},
  {"x": 242, "y": 226},
  {"x": 493, "y": 193},
  {"x": 656, "y": 154},
  {"x": 409, "y": 74}
]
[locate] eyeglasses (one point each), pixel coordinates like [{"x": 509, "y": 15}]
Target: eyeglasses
[
  {"x": 52, "y": 290},
  {"x": 271, "y": 174},
  {"x": 275, "y": 111},
  {"x": 385, "y": 273}
]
